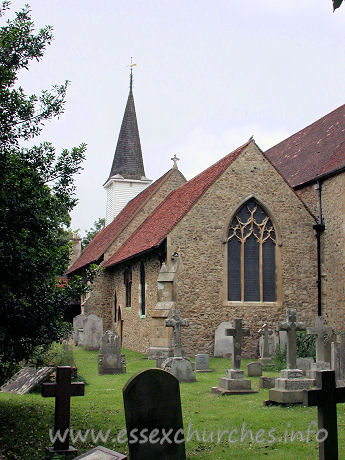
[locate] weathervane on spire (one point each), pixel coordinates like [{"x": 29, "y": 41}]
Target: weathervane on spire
[
  {"x": 131, "y": 65},
  {"x": 175, "y": 160}
]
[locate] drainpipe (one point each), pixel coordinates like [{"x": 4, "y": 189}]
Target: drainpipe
[{"x": 319, "y": 228}]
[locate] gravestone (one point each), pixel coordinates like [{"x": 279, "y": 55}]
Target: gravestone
[
  {"x": 267, "y": 382},
  {"x": 289, "y": 387},
  {"x": 153, "y": 404},
  {"x": 323, "y": 360},
  {"x": 338, "y": 360},
  {"x": 101, "y": 453},
  {"x": 202, "y": 363},
  {"x": 266, "y": 345},
  {"x": 62, "y": 390},
  {"x": 254, "y": 369},
  {"x": 181, "y": 368},
  {"x": 26, "y": 379},
  {"x": 234, "y": 382},
  {"x": 110, "y": 360},
  {"x": 93, "y": 332},
  {"x": 223, "y": 344},
  {"x": 78, "y": 330},
  {"x": 326, "y": 399},
  {"x": 304, "y": 364}
]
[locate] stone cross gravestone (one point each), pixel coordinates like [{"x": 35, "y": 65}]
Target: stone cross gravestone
[
  {"x": 237, "y": 332},
  {"x": 320, "y": 331},
  {"x": 26, "y": 379},
  {"x": 265, "y": 339},
  {"x": 93, "y": 331},
  {"x": 62, "y": 390},
  {"x": 180, "y": 367},
  {"x": 222, "y": 344},
  {"x": 289, "y": 386},
  {"x": 110, "y": 360},
  {"x": 153, "y": 407},
  {"x": 176, "y": 322},
  {"x": 234, "y": 382},
  {"x": 291, "y": 327},
  {"x": 326, "y": 399}
]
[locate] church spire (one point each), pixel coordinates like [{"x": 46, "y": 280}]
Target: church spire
[{"x": 128, "y": 158}]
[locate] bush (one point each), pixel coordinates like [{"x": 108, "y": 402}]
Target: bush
[
  {"x": 305, "y": 345},
  {"x": 58, "y": 354}
]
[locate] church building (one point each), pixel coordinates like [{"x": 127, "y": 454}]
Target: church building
[{"x": 252, "y": 235}]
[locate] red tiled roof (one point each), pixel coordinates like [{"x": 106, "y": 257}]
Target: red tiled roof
[
  {"x": 96, "y": 248},
  {"x": 315, "y": 150},
  {"x": 162, "y": 220}
]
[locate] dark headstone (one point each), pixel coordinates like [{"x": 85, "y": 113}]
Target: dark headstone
[
  {"x": 326, "y": 399},
  {"x": 149, "y": 414},
  {"x": 62, "y": 390},
  {"x": 27, "y": 379}
]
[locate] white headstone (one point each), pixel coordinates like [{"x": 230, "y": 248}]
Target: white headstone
[{"x": 223, "y": 345}]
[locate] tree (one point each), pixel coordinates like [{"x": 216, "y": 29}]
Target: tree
[
  {"x": 337, "y": 4},
  {"x": 36, "y": 196},
  {"x": 90, "y": 234}
]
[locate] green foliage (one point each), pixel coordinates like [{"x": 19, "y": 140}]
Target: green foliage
[
  {"x": 90, "y": 234},
  {"x": 36, "y": 195},
  {"x": 58, "y": 354},
  {"x": 305, "y": 345},
  {"x": 337, "y": 4},
  {"x": 279, "y": 359}
]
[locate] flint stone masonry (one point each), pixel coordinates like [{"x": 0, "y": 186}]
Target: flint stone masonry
[
  {"x": 93, "y": 331},
  {"x": 27, "y": 379}
]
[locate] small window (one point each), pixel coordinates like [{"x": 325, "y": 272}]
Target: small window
[
  {"x": 128, "y": 284},
  {"x": 142, "y": 289},
  {"x": 251, "y": 255}
]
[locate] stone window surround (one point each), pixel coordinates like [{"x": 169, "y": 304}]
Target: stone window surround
[{"x": 248, "y": 304}]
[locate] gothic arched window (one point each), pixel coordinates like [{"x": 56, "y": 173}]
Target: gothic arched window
[
  {"x": 128, "y": 284},
  {"x": 251, "y": 255}
]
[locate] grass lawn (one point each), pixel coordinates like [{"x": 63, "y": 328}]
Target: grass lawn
[{"x": 25, "y": 420}]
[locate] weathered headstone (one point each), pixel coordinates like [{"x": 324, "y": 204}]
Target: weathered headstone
[
  {"x": 323, "y": 360},
  {"x": 110, "y": 360},
  {"x": 62, "y": 390},
  {"x": 153, "y": 407},
  {"x": 223, "y": 344},
  {"x": 338, "y": 360},
  {"x": 254, "y": 369},
  {"x": 101, "y": 453},
  {"x": 304, "y": 364},
  {"x": 326, "y": 399},
  {"x": 288, "y": 388},
  {"x": 266, "y": 345},
  {"x": 267, "y": 382},
  {"x": 234, "y": 382},
  {"x": 78, "y": 330},
  {"x": 202, "y": 363},
  {"x": 180, "y": 367},
  {"x": 93, "y": 331},
  {"x": 27, "y": 379}
]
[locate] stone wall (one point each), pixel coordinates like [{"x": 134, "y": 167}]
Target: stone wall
[
  {"x": 199, "y": 236},
  {"x": 333, "y": 251}
]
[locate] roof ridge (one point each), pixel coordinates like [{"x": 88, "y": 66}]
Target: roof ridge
[
  {"x": 99, "y": 253},
  {"x": 234, "y": 154}
]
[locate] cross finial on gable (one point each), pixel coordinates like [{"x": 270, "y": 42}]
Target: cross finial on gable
[{"x": 175, "y": 160}]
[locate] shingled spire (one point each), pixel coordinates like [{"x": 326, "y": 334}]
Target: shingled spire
[
  {"x": 127, "y": 174},
  {"x": 128, "y": 158}
]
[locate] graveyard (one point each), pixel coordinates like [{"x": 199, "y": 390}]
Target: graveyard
[{"x": 26, "y": 419}]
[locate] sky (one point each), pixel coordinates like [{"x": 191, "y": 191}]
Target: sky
[{"x": 209, "y": 75}]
